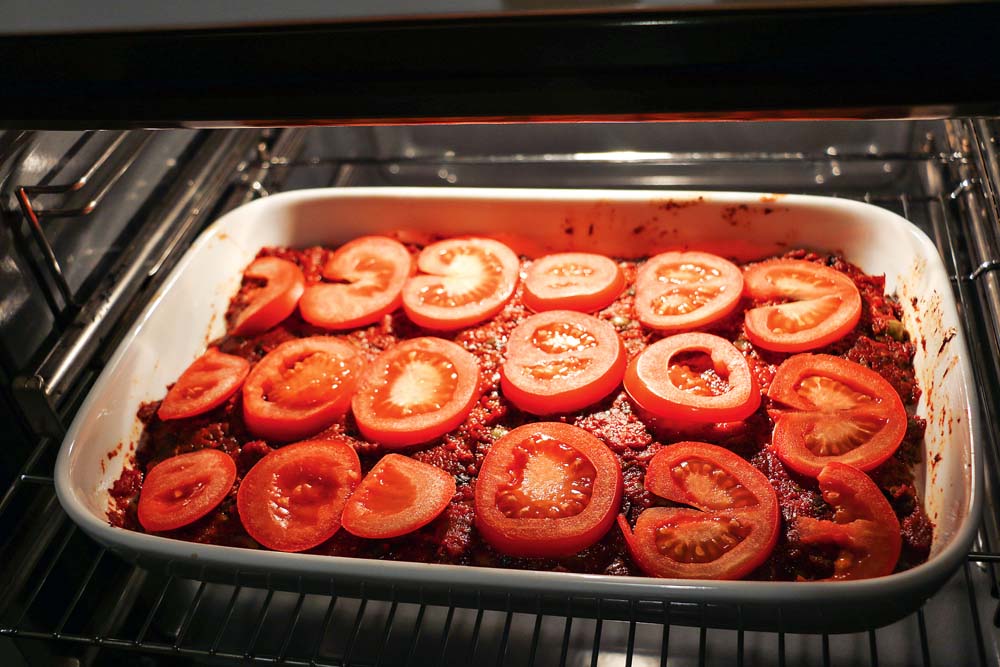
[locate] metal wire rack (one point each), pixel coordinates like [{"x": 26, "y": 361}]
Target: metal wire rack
[{"x": 81, "y": 600}]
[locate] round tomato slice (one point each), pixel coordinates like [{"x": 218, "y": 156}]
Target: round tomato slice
[
  {"x": 368, "y": 275},
  {"x": 464, "y": 282},
  {"x": 693, "y": 377},
  {"x": 864, "y": 526},
  {"x": 300, "y": 387},
  {"x": 732, "y": 531},
  {"x": 292, "y": 499},
  {"x": 276, "y": 300},
  {"x": 831, "y": 409},
  {"x": 184, "y": 488},
  {"x": 678, "y": 291},
  {"x": 206, "y": 384},
  {"x": 415, "y": 392},
  {"x": 824, "y": 305},
  {"x": 561, "y": 361},
  {"x": 579, "y": 281},
  {"x": 398, "y": 496},
  {"x": 547, "y": 490}
]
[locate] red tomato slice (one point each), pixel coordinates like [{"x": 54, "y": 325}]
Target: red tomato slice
[
  {"x": 864, "y": 525},
  {"x": 579, "y": 281},
  {"x": 369, "y": 273},
  {"x": 398, "y": 496},
  {"x": 731, "y": 533},
  {"x": 184, "y": 488},
  {"x": 824, "y": 305},
  {"x": 415, "y": 392},
  {"x": 292, "y": 499},
  {"x": 561, "y": 361},
  {"x": 693, "y": 377},
  {"x": 300, "y": 387},
  {"x": 469, "y": 281},
  {"x": 832, "y": 409},
  {"x": 547, "y": 490},
  {"x": 206, "y": 384},
  {"x": 678, "y": 291},
  {"x": 273, "y": 302}
]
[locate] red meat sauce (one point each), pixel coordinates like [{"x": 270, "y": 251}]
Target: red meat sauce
[{"x": 452, "y": 538}]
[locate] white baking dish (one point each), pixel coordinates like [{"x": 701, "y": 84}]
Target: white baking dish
[{"x": 188, "y": 312}]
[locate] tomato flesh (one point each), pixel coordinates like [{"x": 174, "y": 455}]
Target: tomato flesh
[
  {"x": 206, "y": 384},
  {"x": 693, "y": 377},
  {"x": 732, "y": 531},
  {"x": 464, "y": 282},
  {"x": 416, "y": 391},
  {"x": 184, "y": 488},
  {"x": 399, "y": 495},
  {"x": 561, "y": 361},
  {"x": 276, "y": 300},
  {"x": 292, "y": 499},
  {"x": 679, "y": 291},
  {"x": 578, "y": 281},
  {"x": 864, "y": 527},
  {"x": 300, "y": 387},
  {"x": 827, "y": 409},
  {"x": 824, "y": 305},
  {"x": 547, "y": 490},
  {"x": 369, "y": 274}
]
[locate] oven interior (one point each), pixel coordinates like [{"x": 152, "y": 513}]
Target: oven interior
[{"x": 92, "y": 222}]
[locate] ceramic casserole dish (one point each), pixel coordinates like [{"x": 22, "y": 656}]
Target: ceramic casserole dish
[{"x": 189, "y": 311}]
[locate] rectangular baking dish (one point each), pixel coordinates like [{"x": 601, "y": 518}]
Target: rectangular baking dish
[{"x": 188, "y": 312}]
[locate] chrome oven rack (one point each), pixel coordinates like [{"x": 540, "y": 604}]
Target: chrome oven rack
[{"x": 64, "y": 595}]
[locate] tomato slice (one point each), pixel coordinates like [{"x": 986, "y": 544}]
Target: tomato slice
[
  {"x": 292, "y": 499},
  {"x": 561, "y": 361},
  {"x": 464, "y": 282},
  {"x": 416, "y": 391},
  {"x": 732, "y": 531},
  {"x": 547, "y": 490},
  {"x": 678, "y": 291},
  {"x": 693, "y": 377},
  {"x": 579, "y": 281},
  {"x": 831, "y": 409},
  {"x": 824, "y": 305},
  {"x": 300, "y": 387},
  {"x": 184, "y": 488},
  {"x": 206, "y": 384},
  {"x": 276, "y": 300},
  {"x": 864, "y": 525},
  {"x": 369, "y": 273},
  {"x": 398, "y": 496}
]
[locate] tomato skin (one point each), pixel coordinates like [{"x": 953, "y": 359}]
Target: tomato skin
[
  {"x": 815, "y": 395},
  {"x": 184, "y": 488},
  {"x": 864, "y": 525},
  {"x": 604, "y": 362},
  {"x": 275, "y": 301},
  {"x": 373, "y": 403},
  {"x": 649, "y": 384},
  {"x": 399, "y": 495},
  {"x": 817, "y": 291},
  {"x": 205, "y": 385},
  {"x": 464, "y": 281},
  {"x": 375, "y": 269},
  {"x": 547, "y": 537},
  {"x": 292, "y": 499},
  {"x": 293, "y": 415},
  {"x": 701, "y": 287},
  {"x": 738, "y": 520},
  {"x": 580, "y": 281}
]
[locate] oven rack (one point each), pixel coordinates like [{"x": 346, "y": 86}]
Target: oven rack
[{"x": 79, "y": 599}]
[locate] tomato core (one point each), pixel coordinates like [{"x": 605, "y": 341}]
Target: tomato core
[
  {"x": 548, "y": 479},
  {"x": 301, "y": 492},
  {"x": 307, "y": 381},
  {"x": 695, "y": 373},
  {"x": 689, "y": 539},
  {"x": 393, "y": 489},
  {"x": 714, "y": 488},
  {"x": 473, "y": 274},
  {"x": 418, "y": 382}
]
